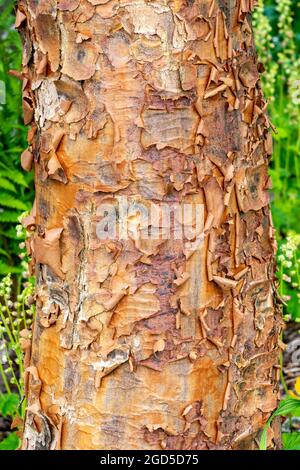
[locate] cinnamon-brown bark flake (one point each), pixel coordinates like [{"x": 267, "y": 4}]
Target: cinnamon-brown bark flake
[{"x": 144, "y": 344}]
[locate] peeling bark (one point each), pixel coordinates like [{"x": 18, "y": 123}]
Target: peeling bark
[{"x": 140, "y": 344}]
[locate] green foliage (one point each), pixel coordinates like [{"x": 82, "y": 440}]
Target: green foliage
[
  {"x": 15, "y": 321},
  {"x": 291, "y": 440},
  {"x": 277, "y": 34},
  {"x": 16, "y": 188},
  {"x": 11, "y": 442},
  {"x": 289, "y": 273},
  {"x": 16, "y": 318},
  {"x": 286, "y": 407},
  {"x": 9, "y": 403},
  {"x": 16, "y": 196}
]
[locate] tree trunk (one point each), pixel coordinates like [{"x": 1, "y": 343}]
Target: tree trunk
[{"x": 147, "y": 343}]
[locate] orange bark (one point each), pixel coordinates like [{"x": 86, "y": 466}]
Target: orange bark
[{"x": 143, "y": 344}]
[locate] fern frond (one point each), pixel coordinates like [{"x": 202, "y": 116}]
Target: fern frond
[
  {"x": 9, "y": 216},
  {"x": 8, "y": 200},
  {"x": 13, "y": 175},
  {"x": 5, "y": 184}
]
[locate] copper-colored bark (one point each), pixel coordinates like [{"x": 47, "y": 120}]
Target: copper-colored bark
[{"x": 138, "y": 344}]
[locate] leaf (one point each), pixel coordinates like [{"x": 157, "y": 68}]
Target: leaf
[
  {"x": 282, "y": 133},
  {"x": 17, "y": 150},
  {"x": 6, "y": 269},
  {"x": 8, "y": 200},
  {"x": 287, "y": 406},
  {"x": 5, "y": 184},
  {"x": 9, "y": 216},
  {"x": 9, "y": 404},
  {"x": 14, "y": 175},
  {"x": 10, "y": 233},
  {"x": 11, "y": 442},
  {"x": 291, "y": 440},
  {"x": 4, "y": 253}
]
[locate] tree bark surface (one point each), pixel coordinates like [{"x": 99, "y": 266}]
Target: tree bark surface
[{"x": 143, "y": 343}]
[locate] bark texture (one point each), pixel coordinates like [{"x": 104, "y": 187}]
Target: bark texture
[{"x": 142, "y": 344}]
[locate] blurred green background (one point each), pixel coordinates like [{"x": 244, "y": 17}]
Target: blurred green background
[
  {"x": 16, "y": 189},
  {"x": 277, "y": 33}
]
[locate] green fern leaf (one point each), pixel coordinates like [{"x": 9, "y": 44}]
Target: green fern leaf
[
  {"x": 7, "y": 200},
  {"x": 8, "y": 185},
  {"x": 9, "y": 216},
  {"x": 14, "y": 175}
]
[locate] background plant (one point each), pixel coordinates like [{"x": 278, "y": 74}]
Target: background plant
[
  {"x": 277, "y": 34},
  {"x": 291, "y": 440},
  {"x": 16, "y": 315},
  {"x": 16, "y": 189}
]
